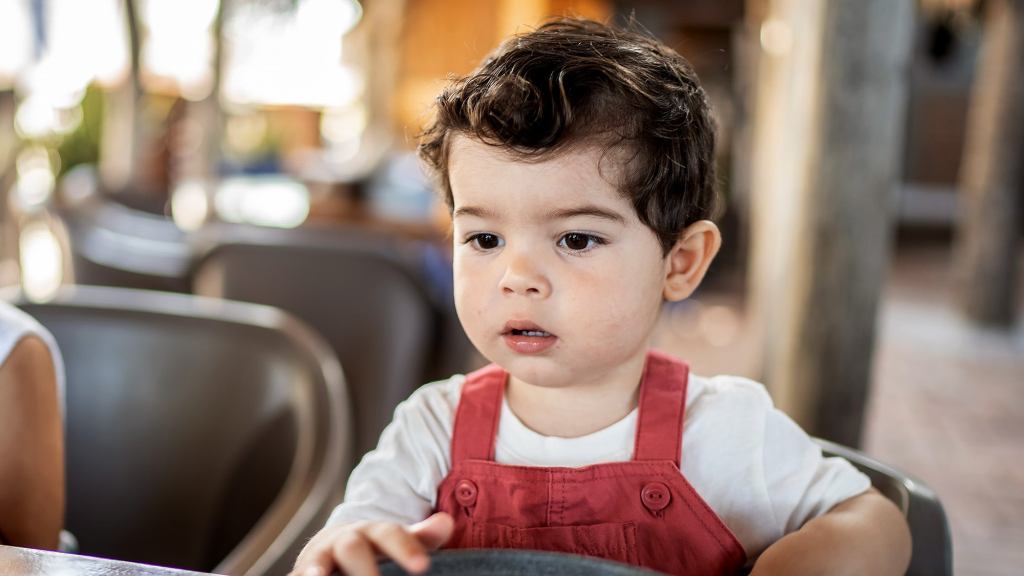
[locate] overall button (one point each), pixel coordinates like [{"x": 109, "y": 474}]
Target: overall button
[
  {"x": 655, "y": 496},
  {"x": 465, "y": 493}
]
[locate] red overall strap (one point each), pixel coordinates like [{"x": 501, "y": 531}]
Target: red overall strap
[
  {"x": 659, "y": 428},
  {"x": 476, "y": 419}
]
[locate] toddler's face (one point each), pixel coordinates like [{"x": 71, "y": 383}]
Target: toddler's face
[{"x": 556, "y": 278}]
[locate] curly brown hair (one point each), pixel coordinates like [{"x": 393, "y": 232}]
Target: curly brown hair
[{"x": 572, "y": 82}]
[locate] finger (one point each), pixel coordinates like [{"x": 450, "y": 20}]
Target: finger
[
  {"x": 354, "y": 555},
  {"x": 435, "y": 530},
  {"x": 395, "y": 542},
  {"x": 315, "y": 560},
  {"x": 308, "y": 551}
]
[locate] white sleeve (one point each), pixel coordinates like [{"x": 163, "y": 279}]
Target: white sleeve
[
  {"x": 762, "y": 474},
  {"x": 801, "y": 483},
  {"x": 398, "y": 480}
]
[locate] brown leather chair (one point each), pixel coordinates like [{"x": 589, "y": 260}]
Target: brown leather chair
[{"x": 201, "y": 434}]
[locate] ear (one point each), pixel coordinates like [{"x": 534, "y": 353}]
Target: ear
[{"x": 688, "y": 261}]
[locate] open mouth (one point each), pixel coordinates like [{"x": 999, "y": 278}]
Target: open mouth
[
  {"x": 533, "y": 333},
  {"x": 527, "y": 338},
  {"x": 524, "y": 328}
]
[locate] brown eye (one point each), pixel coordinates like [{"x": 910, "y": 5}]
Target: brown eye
[
  {"x": 486, "y": 241},
  {"x": 578, "y": 242}
]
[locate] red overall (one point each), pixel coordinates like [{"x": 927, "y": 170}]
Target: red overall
[{"x": 641, "y": 512}]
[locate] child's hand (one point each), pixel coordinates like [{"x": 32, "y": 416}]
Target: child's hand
[{"x": 353, "y": 548}]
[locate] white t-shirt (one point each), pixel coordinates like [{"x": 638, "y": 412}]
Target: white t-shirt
[
  {"x": 762, "y": 474},
  {"x": 16, "y": 325}
]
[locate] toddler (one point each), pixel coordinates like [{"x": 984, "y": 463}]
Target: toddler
[{"x": 577, "y": 163}]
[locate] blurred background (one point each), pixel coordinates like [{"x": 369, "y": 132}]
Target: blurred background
[{"x": 869, "y": 152}]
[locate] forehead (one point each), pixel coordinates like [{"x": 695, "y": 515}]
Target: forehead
[{"x": 480, "y": 173}]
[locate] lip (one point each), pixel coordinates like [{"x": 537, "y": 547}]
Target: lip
[{"x": 519, "y": 337}]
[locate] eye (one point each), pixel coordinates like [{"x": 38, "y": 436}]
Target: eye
[
  {"x": 579, "y": 242},
  {"x": 484, "y": 241}
]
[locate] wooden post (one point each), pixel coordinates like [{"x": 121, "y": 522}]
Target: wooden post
[
  {"x": 992, "y": 180},
  {"x": 746, "y": 47},
  {"x": 827, "y": 149},
  {"x": 199, "y": 152},
  {"x": 8, "y": 149},
  {"x": 121, "y": 150},
  {"x": 375, "y": 45}
]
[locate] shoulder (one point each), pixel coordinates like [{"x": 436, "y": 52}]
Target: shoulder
[
  {"x": 434, "y": 402},
  {"x": 29, "y": 357},
  {"x": 725, "y": 415},
  {"x": 28, "y": 380},
  {"x": 425, "y": 420},
  {"x": 26, "y": 345},
  {"x": 14, "y": 326},
  {"x": 725, "y": 394},
  {"x": 30, "y": 389}
]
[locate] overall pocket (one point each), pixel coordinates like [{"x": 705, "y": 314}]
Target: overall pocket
[{"x": 612, "y": 541}]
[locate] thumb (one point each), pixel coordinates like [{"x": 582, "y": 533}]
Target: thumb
[{"x": 435, "y": 530}]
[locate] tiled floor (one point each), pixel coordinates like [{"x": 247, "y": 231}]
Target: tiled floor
[{"x": 947, "y": 402}]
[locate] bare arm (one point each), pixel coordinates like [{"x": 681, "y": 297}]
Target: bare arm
[
  {"x": 31, "y": 448},
  {"x": 866, "y": 534}
]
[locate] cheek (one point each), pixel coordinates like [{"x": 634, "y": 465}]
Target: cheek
[
  {"x": 462, "y": 278},
  {"x": 626, "y": 300},
  {"x": 621, "y": 312},
  {"x": 464, "y": 294},
  {"x": 469, "y": 297}
]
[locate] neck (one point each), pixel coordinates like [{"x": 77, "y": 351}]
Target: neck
[{"x": 579, "y": 409}]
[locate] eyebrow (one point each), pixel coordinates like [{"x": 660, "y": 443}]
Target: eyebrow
[
  {"x": 472, "y": 211},
  {"x": 562, "y": 214},
  {"x": 590, "y": 210}
]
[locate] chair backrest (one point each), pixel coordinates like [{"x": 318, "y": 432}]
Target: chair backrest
[
  {"x": 200, "y": 434},
  {"x": 114, "y": 245},
  {"x": 366, "y": 293},
  {"x": 932, "y": 546}
]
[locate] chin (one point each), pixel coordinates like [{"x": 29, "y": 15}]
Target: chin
[{"x": 540, "y": 371}]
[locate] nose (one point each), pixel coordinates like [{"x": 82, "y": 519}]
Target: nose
[{"x": 524, "y": 277}]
